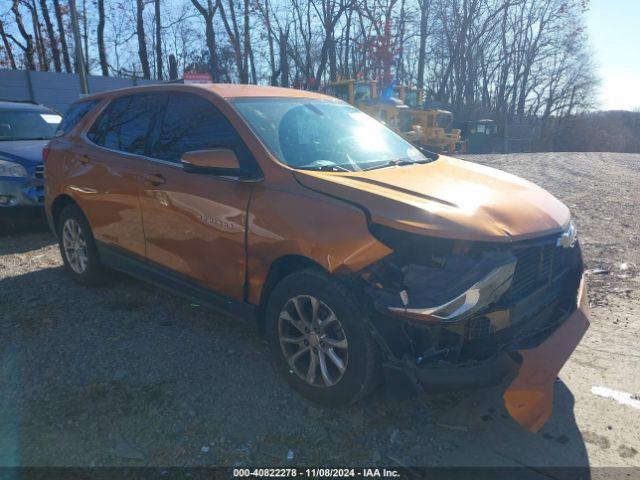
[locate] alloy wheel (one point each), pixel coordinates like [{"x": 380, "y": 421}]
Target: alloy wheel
[
  {"x": 313, "y": 341},
  {"x": 75, "y": 246}
]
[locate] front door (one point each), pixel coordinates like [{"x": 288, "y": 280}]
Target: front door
[{"x": 194, "y": 224}]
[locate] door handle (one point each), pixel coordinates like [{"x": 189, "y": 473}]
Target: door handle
[
  {"x": 154, "y": 179},
  {"x": 84, "y": 159}
]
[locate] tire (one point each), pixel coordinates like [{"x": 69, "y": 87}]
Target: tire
[
  {"x": 358, "y": 356},
  {"x": 88, "y": 271}
]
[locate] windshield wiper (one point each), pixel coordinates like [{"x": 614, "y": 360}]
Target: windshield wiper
[
  {"x": 390, "y": 163},
  {"x": 326, "y": 168}
]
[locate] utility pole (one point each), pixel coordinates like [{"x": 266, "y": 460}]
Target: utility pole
[{"x": 82, "y": 73}]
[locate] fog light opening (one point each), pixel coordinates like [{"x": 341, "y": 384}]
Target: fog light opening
[{"x": 479, "y": 328}]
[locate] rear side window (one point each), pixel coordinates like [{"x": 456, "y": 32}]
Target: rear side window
[
  {"x": 75, "y": 113},
  {"x": 125, "y": 123},
  {"x": 192, "y": 123}
]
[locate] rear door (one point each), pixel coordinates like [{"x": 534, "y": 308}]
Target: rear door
[
  {"x": 110, "y": 168},
  {"x": 194, "y": 224}
]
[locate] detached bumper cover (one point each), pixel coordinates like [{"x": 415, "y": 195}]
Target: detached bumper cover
[{"x": 529, "y": 397}]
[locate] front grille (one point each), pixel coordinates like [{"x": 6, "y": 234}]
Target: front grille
[
  {"x": 536, "y": 266},
  {"x": 39, "y": 172}
]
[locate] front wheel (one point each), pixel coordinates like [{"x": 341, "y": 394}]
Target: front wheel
[{"x": 320, "y": 339}]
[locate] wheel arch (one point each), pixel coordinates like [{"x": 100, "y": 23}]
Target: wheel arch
[
  {"x": 280, "y": 268},
  {"x": 60, "y": 203}
]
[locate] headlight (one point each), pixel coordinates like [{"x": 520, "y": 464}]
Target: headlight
[
  {"x": 12, "y": 169},
  {"x": 569, "y": 236}
]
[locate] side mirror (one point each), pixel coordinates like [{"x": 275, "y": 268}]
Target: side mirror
[{"x": 219, "y": 161}]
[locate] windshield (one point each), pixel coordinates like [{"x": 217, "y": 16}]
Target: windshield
[
  {"x": 325, "y": 135},
  {"x": 27, "y": 125}
]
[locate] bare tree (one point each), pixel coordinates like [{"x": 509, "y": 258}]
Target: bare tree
[
  {"x": 208, "y": 13},
  {"x": 53, "y": 42},
  {"x": 142, "y": 41},
  {"x": 229, "y": 19},
  {"x": 7, "y": 46},
  {"x": 329, "y": 13},
  {"x": 102, "y": 51},
  {"x": 159, "y": 65},
  {"x": 61, "y": 35},
  {"x": 425, "y": 9},
  {"x": 43, "y": 60},
  {"x": 85, "y": 35},
  {"x": 27, "y": 46}
]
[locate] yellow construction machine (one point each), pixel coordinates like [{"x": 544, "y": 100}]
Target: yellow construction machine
[
  {"x": 403, "y": 113},
  {"x": 363, "y": 94},
  {"x": 429, "y": 128},
  {"x": 410, "y": 96}
]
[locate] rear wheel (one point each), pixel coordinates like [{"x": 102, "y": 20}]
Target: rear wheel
[
  {"x": 78, "y": 248},
  {"x": 320, "y": 339}
]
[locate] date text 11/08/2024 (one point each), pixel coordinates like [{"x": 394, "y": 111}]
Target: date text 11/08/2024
[{"x": 316, "y": 472}]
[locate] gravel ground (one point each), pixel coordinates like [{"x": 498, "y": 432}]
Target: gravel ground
[{"x": 129, "y": 375}]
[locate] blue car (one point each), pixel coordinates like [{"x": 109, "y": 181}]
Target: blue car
[{"x": 25, "y": 128}]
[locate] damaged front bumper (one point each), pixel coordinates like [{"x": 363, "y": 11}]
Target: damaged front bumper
[
  {"x": 442, "y": 330},
  {"x": 529, "y": 397}
]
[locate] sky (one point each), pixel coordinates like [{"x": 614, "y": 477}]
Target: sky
[{"x": 614, "y": 30}]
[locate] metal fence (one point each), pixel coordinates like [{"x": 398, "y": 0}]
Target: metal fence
[{"x": 55, "y": 90}]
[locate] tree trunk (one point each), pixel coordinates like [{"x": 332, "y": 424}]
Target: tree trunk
[
  {"x": 284, "y": 63},
  {"x": 424, "y": 19},
  {"x": 43, "y": 61},
  {"x": 7, "y": 47},
  {"x": 142, "y": 41},
  {"x": 247, "y": 43},
  {"x": 347, "y": 40},
  {"x": 28, "y": 39},
  {"x": 85, "y": 37},
  {"x": 213, "y": 55},
  {"x": 272, "y": 58},
  {"x": 63, "y": 39},
  {"x": 55, "y": 51},
  {"x": 233, "y": 33},
  {"x": 102, "y": 51},
  {"x": 208, "y": 14},
  {"x": 159, "y": 65},
  {"x": 81, "y": 69},
  {"x": 333, "y": 67},
  {"x": 173, "y": 67}
]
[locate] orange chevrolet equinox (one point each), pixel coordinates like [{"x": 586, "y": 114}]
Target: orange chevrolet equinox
[{"x": 361, "y": 257}]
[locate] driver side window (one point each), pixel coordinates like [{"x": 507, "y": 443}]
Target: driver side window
[{"x": 192, "y": 123}]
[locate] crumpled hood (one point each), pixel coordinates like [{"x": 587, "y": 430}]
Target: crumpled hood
[
  {"x": 447, "y": 198},
  {"x": 25, "y": 152}
]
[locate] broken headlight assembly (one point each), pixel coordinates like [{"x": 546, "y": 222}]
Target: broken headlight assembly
[
  {"x": 442, "y": 303},
  {"x": 434, "y": 279}
]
